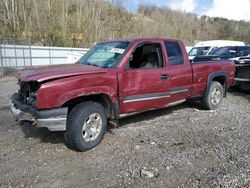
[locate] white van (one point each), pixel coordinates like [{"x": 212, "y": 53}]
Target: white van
[
  {"x": 188, "y": 48},
  {"x": 205, "y": 47}
]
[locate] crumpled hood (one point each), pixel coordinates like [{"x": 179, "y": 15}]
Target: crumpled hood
[{"x": 41, "y": 74}]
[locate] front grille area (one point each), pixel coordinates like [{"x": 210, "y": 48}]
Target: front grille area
[
  {"x": 27, "y": 92},
  {"x": 243, "y": 71}
]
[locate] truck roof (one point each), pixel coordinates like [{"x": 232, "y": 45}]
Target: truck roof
[{"x": 133, "y": 39}]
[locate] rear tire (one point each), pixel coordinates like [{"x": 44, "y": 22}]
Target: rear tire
[
  {"x": 214, "y": 97},
  {"x": 86, "y": 126}
]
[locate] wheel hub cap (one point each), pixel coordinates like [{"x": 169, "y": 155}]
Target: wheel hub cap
[
  {"x": 92, "y": 127},
  {"x": 215, "y": 96}
]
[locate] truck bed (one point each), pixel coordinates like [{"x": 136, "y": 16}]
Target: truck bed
[{"x": 202, "y": 73}]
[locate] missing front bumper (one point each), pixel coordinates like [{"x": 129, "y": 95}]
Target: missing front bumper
[{"x": 53, "y": 119}]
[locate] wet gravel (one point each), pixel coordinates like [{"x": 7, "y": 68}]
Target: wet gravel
[{"x": 182, "y": 146}]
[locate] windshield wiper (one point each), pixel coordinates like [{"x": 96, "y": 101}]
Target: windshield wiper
[{"x": 91, "y": 64}]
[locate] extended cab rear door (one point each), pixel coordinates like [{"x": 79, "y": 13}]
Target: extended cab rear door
[
  {"x": 144, "y": 83},
  {"x": 179, "y": 71}
]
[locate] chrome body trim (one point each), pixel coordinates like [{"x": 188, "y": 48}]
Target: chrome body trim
[
  {"x": 176, "y": 103},
  {"x": 134, "y": 113},
  {"x": 242, "y": 79},
  {"x": 179, "y": 91},
  {"x": 145, "y": 99},
  {"x": 154, "y": 96}
]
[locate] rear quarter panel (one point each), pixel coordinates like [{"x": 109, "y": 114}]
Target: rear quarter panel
[{"x": 203, "y": 70}]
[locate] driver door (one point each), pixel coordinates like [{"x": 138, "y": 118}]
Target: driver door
[{"x": 145, "y": 83}]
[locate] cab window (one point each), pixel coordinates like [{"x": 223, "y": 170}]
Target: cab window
[
  {"x": 146, "y": 56},
  {"x": 175, "y": 56}
]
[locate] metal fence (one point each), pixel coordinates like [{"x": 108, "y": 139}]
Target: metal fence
[
  {"x": 5, "y": 43},
  {"x": 18, "y": 53}
]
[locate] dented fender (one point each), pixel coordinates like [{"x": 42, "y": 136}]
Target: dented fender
[
  {"x": 55, "y": 93},
  {"x": 65, "y": 97}
]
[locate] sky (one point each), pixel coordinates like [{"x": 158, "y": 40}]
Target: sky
[{"x": 230, "y": 9}]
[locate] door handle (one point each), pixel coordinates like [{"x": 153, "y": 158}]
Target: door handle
[{"x": 164, "y": 77}]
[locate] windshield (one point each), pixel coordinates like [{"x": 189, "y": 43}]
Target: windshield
[
  {"x": 196, "y": 51},
  {"x": 105, "y": 55},
  {"x": 224, "y": 51}
]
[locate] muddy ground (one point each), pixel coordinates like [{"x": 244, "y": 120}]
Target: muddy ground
[{"x": 182, "y": 146}]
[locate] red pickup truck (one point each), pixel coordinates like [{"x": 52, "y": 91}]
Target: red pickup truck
[{"x": 114, "y": 79}]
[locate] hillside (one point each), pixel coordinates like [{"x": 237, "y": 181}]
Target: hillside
[{"x": 80, "y": 23}]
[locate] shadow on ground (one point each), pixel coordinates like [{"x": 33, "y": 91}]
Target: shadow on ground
[
  {"x": 31, "y": 131},
  {"x": 149, "y": 115},
  {"x": 235, "y": 91},
  {"x": 46, "y": 136}
]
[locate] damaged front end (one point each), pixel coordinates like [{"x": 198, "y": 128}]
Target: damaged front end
[{"x": 23, "y": 106}]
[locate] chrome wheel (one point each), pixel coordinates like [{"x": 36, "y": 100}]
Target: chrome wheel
[
  {"x": 92, "y": 127},
  {"x": 216, "y": 96}
]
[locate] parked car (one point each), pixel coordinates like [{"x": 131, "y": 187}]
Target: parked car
[
  {"x": 188, "y": 48},
  {"x": 206, "y": 47},
  {"x": 224, "y": 53},
  {"x": 116, "y": 79},
  {"x": 231, "y": 52},
  {"x": 242, "y": 76},
  {"x": 241, "y": 56}
]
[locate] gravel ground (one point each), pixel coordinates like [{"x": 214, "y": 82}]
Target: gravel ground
[{"x": 182, "y": 146}]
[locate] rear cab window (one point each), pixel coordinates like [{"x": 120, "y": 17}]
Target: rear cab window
[{"x": 174, "y": 53}]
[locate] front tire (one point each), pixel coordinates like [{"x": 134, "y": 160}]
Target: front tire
[
  {"x": 214, "y": 97},
  {"x": 86, "y": 126}
]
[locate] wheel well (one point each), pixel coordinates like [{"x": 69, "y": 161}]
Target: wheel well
[
  {"x": 222, "y": 81},
  {"x": 103, "y": 99}
]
